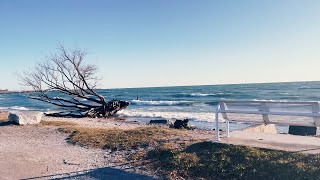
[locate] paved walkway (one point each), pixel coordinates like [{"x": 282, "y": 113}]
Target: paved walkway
[{"x": 303, "y": 144}]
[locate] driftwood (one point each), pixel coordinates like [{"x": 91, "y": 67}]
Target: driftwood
[{"x": 65, "y": 81}]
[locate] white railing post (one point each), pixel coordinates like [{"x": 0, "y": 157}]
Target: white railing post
[
  {"x": 315, "y": 110},
  {"x": 217, "y": 123},
  {"x": 264, "y": 111},
  {"x": 228, "y": 129}
]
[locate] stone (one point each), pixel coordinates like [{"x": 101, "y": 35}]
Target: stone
[
  {"x": 178, "y": 124},
  {"x": 3, "y": 116},
  {"x": 24, "y": 118},
  {"x": 303, "y": 130},
  {"x": 191, "y": 127},
  {"x": 134, "y": 122},
  {"x": 160, "y": 121},
  {"x": 269, "y": 129}
]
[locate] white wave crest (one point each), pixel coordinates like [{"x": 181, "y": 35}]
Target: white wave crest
[
  {"x": 208, "y": 117},
  {"x": 205, "y": 94},
  {"x": 160, "y": 103}
]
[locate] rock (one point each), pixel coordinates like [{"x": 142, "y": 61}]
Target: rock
[
  {"x": 178, "y": 124},
  {"x": 134, "y": 122},
  {"x": 160, "y": 121},
  {"x": 269, "y": 129},
  {"x": 191, "y": 127},
  {"x": 303, "y": 130},
  {"x": 3, "y": 116},
  {"x": 23, "y": 118}
]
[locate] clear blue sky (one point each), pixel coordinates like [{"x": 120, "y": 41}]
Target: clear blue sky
[{"x": 167, "y": 42}]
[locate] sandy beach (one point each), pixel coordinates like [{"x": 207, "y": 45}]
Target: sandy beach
[{"x": 42, "y": 152}]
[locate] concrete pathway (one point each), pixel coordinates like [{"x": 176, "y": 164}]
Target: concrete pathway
[{"x": 303, "y": 144}]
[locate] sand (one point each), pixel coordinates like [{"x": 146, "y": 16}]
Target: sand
[{"x": 42, "y": 152}]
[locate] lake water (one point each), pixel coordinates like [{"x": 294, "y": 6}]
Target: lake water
[{"x": 196, "y": 103}]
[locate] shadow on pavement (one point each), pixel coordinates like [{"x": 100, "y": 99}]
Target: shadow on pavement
[
  {"x": 97, "y": 174},
  {"x": 7, "y": 123}
]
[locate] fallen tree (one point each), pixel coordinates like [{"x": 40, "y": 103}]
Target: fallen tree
[{"x": 64, "y": 80}]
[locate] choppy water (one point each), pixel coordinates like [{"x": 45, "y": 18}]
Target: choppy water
[{"x": 194, "y": 102}]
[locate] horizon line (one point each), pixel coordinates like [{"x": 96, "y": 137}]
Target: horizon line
[{"x": 272, "y": 82}]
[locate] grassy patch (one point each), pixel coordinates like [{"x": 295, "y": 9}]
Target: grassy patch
[
  {"x": 159, "y": 146},
  {"x": 118, "y": 139},
  {"x": 221, "y": 161},
  {"x": 58, "y": 123}
]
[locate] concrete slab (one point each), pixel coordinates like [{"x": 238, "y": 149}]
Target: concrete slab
[{"x": 285, "y": 142}]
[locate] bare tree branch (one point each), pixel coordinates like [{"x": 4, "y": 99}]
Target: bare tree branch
[{"x": 64, "y": 80}]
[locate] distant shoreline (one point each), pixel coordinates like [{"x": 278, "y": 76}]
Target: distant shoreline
[{"x": 12, "y": 92}]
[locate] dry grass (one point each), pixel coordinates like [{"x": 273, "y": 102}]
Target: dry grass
[
  {"x": 169, "y": 152},
  {"x": 58, "y": 123},
  {"x": 137, "y": 156},
  {"x": 207, "y": 160},
  {"x": 118, "y": 139}
]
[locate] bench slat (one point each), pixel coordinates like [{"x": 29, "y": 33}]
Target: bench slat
[
  {"x": 270, "y": 113},
  {"x": 278, "y": 123}
]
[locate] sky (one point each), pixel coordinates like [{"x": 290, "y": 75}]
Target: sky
[{"x": 147, "y": 43}]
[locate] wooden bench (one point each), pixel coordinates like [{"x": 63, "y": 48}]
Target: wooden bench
[{"x": 267, "y": 112}]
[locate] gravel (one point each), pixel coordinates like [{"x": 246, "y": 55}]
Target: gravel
[
  {"x": 42, "y": 152},
  {"x": 38, "y": 152}
]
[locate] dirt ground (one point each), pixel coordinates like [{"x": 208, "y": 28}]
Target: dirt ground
[{"x": 42, "y": 152}]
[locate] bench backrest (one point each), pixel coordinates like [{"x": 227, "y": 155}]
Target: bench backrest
[{"x": 271, "y": 112}]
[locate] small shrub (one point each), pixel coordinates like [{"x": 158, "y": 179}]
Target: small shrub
[{"x": 187, "y": 163}]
